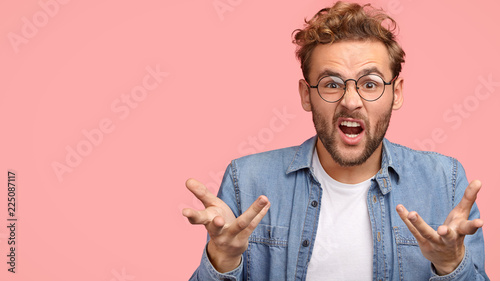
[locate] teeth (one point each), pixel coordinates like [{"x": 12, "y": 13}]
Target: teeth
[
  {"x": 352, "y": 135},
  {"x": 350, "y": 124}
]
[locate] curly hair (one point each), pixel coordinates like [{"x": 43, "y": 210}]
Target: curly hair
[{"x": 347, "y": 21}]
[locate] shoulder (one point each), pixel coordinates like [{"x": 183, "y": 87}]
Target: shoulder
[
  {"x": 284, "y": 160},
  {"x": 426, "y": 178},
  {"x": 275, "y": 159},
  {"x": 405, "y": 158}
]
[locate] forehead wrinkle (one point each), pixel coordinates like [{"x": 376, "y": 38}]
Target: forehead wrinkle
[
  {"x": 350, "y": 58},
  {"x": 369, "y": 70}
]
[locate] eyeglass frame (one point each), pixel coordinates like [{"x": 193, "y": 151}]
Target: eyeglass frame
[{"x": 355, "y": 83}]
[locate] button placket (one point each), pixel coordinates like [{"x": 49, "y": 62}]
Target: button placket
[{"x": 305, "y": 243}]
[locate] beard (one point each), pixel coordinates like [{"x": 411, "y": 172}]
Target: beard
[{"x": 326, "y": 133}]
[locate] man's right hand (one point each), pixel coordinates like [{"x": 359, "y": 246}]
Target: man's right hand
[{"x": 228, "y": 234}]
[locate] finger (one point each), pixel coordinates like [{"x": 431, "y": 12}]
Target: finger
[
  {"x": 201, "y": 192},
  {"x": 469, "y": 197},
  {"x": 403, "y": 214},
  {"x": 447, "y": 233},
  {"x": 195, "y": 217},
  {"x": 443, "y": 230},
  {"x": 464, "y": 228},
  {"x": 218, "y": 222},
  {"x": 470, "y": 227},
  {"x": 255, "y": 222},
  {"x": 244, "y": 220},
  {"x": 216, "y": 226},
  {"x": 427, "y": 232}
]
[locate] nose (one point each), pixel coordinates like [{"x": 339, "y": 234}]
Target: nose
[{"x": 351, "y": 99}]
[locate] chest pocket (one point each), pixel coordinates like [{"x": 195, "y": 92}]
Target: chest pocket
[
  {"x": 266, "y": 255},
  {"x": 270, "y": 235},
  {"x": 412, "y": 264}
]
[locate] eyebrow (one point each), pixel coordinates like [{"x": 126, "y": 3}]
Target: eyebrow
[{"x": 371, "y": 70}]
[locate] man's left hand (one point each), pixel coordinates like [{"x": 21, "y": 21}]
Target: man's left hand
[{"x": 445, "y": 247}]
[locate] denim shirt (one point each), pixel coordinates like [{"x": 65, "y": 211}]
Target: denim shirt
[{"x": 281, "y": 246}]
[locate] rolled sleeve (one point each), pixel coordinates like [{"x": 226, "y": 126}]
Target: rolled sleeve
[
  {"x": 472, "y": 265},
  {"x": 465, "y": 271},
  {"x": 207, "y": 272}
]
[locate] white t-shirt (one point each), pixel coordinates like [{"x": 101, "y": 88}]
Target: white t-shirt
[{"x": 343, "y": 249}]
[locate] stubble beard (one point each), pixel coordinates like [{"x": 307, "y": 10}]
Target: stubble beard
[{"x": 329, "y": 140}]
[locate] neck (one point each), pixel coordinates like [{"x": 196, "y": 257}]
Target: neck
[{"x": 351, "y": 174}]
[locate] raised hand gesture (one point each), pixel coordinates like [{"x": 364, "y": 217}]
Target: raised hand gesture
[
  {"x": 228, "y": 234},
  {"x": 445, "y": 247}
]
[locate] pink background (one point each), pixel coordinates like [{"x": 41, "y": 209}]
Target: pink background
[{"x": 116, "y": 214}]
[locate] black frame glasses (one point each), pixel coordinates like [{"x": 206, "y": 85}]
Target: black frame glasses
[{"x": 356, "y": 84}]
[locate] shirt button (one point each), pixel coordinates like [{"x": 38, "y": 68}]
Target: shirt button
[
  {"x": 314, "y": 203},
  {"x": 374, "y": 199},
  {"x": 305, "y": 243}
]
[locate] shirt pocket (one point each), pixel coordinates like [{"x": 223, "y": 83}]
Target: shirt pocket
[
  {"x": 411, "y": 263},
  {"x": 267, "y": 252},
  {"x": 270, "y": 235}
]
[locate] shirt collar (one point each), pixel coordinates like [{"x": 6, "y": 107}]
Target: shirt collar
[
  {"x": 303, "y": 156},
  {"x": 390, "y": 166}
]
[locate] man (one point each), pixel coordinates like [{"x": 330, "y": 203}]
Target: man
[{"x": 336, "y": 207}]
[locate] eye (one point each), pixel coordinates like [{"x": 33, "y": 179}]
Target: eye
[
  {"x": 370, "y": 85},
  {"x": 332, "y": 85}
]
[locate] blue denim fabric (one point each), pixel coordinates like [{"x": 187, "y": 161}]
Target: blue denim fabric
[{"x": 281, "y": 246}]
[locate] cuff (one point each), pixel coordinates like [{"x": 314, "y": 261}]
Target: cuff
[
  {"x": 463, "y": 271},
  {"x": 210, "y": 273}
]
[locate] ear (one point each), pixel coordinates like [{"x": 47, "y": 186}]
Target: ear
[
  {"x": 305, "y": 95},
  {"x": 398, "y": 94}
]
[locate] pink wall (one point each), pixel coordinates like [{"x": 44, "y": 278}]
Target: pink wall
[{"x": 91, "y": 77}]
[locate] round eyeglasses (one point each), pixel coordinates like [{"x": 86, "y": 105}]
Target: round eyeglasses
[{"x": 370, "y": 87}]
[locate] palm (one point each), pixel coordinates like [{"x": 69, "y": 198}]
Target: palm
[
  {"x": 445, "y": 247},
  {"x": 220, "y": 209},
  {"x": 228, "y": 234}
]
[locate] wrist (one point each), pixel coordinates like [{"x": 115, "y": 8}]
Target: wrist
[
  {"x": 444, "y": 270},
  {"x": 221, "y": 261},
  {"x": 447, "y": 268}
]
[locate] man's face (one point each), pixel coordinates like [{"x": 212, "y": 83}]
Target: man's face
[{"x": 352, "y": 129}]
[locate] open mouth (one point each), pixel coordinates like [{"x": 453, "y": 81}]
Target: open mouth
[{"x": 351, "y": 128}]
